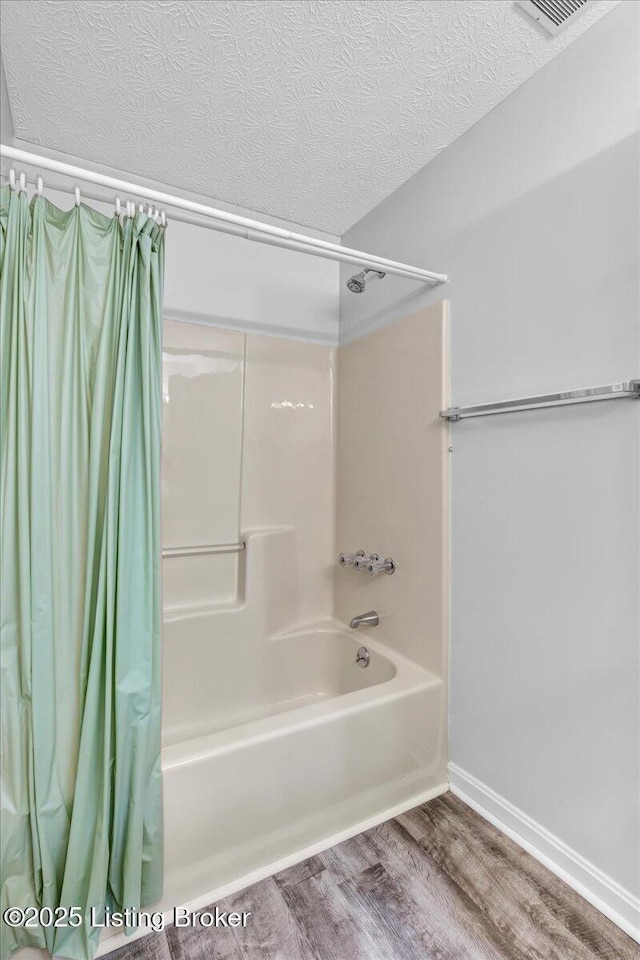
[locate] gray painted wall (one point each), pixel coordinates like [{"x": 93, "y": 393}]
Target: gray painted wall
[
  {"x": 6, "y": 123},
  {"x": 534, "y": 213}
]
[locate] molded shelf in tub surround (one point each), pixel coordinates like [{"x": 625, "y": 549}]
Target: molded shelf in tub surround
[
  {"x": 233, "y": 634},
  {"x": 265, "y": 554}
]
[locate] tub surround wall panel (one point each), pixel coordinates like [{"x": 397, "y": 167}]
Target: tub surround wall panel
[
  {"x": 534, "y": 213},
  {"x": 203, "y": 382},
  {"x": 247, "y": 445},
  {"x": 392, "y": 482},
  {"x": 288, "y": 462},
  {"x": 200, "y": 581},
  {"x": 275, "y": 739},
  {"x": 203, "y": 387},
  {"x": 262, "y": 409}
]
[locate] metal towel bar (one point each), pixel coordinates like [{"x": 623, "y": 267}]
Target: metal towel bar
[
  {"x": 204, "y": 549},
  {"x": 613, "y": 391}
]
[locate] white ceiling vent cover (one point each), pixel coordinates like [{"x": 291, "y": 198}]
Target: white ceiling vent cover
[{"x": 553, "y": 15}]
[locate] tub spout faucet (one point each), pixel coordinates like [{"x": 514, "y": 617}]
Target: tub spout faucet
[{"x": 369, "y": 619}]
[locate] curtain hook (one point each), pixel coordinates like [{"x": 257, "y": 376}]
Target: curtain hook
[
  {"x": 12, "y": 178},
  {"x": 163, "y": 218},
  {"x": 23, "y": 182},
  {"x": 39, "y": 186},
  {"x": 77, "y": 195}
]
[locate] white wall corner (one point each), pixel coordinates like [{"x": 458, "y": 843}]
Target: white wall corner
[{"x": 609, "y": 897}]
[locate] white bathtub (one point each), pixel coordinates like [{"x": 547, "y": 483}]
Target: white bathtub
[
  {"x": 332, "y": 749},
  {"x": 333, "y": 746},
  {"x": 284, "y": 674},
  {"x": 276, "y": 747}
]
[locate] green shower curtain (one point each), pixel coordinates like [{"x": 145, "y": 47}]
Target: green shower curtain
[{"x": 81, "y": 314}]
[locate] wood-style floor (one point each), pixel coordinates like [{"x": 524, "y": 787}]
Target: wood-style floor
[{"x": 437, "y": 883}]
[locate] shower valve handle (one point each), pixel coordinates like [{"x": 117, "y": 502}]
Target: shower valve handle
[
  {"x": 362, "y": 563},
  {"x": 374, "y": 567},
  {"x": 351, "y": 559}
]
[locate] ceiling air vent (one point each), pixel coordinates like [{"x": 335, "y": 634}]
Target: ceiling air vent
[{"x": 553, "y": 15}]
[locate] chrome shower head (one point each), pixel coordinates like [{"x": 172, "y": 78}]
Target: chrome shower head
[{"x": 358, "y": 281}]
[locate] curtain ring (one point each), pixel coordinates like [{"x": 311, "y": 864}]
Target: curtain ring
[
  {"x": 23, "y": 182},
  {"x": 118, "y": 207},
  {"x": 12, "y": 178},
  {"x": 39, "y": 186},
  {"x": 77, "y": 195},
  {"x": 163, "y": 218}
]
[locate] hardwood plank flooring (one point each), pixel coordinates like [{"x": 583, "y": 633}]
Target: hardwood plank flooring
[
  {"x": 334, "y": 930},
  {"x": 436, "y": 883}
]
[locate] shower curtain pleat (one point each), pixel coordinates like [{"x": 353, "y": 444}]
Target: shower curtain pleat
[{"x": 81, "y": 322}]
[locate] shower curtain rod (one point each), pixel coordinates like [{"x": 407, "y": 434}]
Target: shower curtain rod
[{"x": 227, "y": 222}]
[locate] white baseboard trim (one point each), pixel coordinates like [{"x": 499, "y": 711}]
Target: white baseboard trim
[{"x": 609, "y": 897}]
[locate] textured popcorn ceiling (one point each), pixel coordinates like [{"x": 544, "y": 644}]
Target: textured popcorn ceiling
[{"x": 310, "y": 110}]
